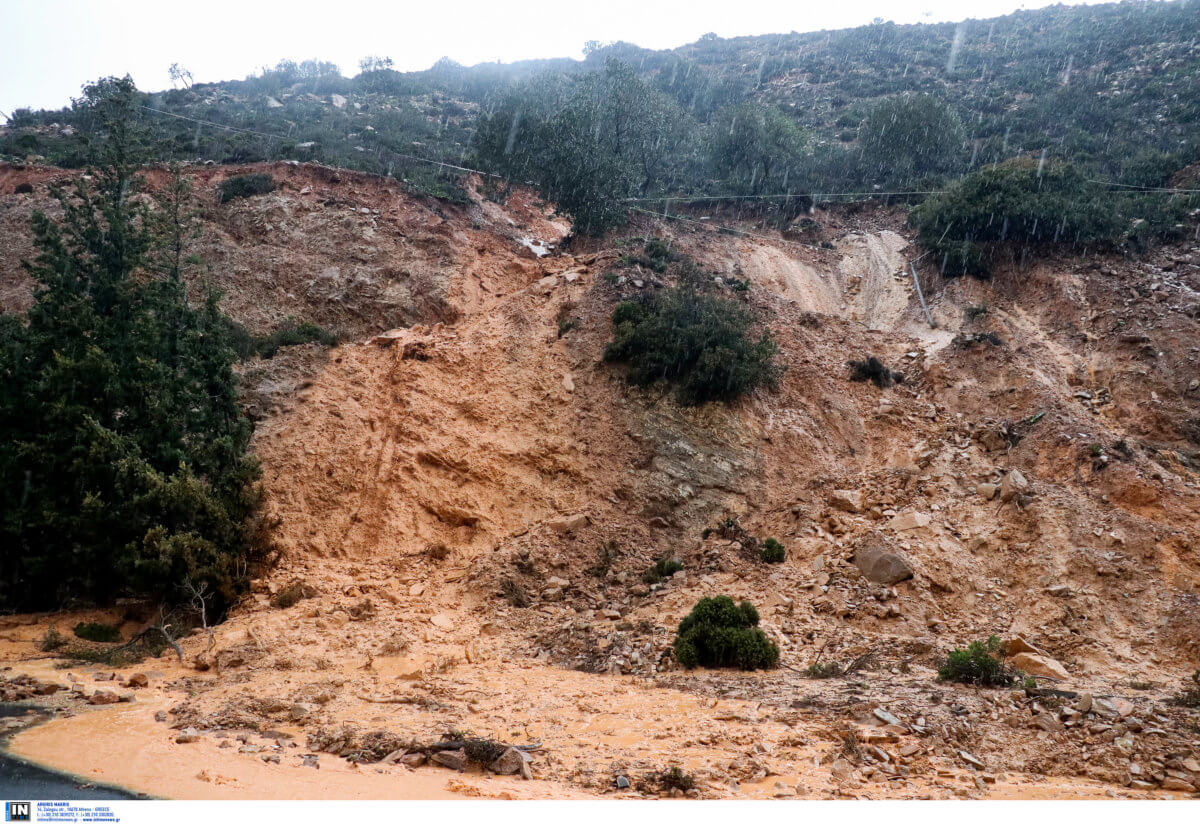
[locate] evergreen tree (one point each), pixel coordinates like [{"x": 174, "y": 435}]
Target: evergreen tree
[{"x": 123, "y": 463}]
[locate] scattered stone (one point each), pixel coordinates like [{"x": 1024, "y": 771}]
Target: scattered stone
[
  {"x": 1014, "y": 484},
  {"x": 970, "y": 759},
  {"x": 414, "y": 760},
  {"x": 987, "y": 491},
  {"x": 568, "y": 523},
  {"x": 622, "y": 782},
  {"x": 138, "y": 680},
  {"x": 509, "y": 762},
  {"x": 450, "y": 759},
  {"x": 188, "y": 736},
  {"x": 886, "y": 717},
  {"x": 104, "y": 697},
  {"x": 906, "y": 521},
  {"x": 1178, "y": 785},
  {"x": 847, "y": 500}
]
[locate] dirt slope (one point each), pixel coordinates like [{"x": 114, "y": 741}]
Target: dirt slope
[{"x": 473, "y": 497}]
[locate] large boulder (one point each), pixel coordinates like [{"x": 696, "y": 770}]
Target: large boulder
[
  {"x": 847, "y": 500},
  {"x": 1041, "y": 665},
  {"x": 1014, "y": 484},
  {"x": 880, "y": 563}
]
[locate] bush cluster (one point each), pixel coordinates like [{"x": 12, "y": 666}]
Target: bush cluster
[
  {"x": 101, "y": 633},
  {"x": 772, "y": 552},
  {"x": 246, "y": 186},
  {"x": 662, "y": 569},
  {"x": 700, "y": 343},
  {"x": 872, "y": 369},
  {"x": 719, "y": 633},
  {"x": 1021, "y": 203},
  {"x": 978, "y": 664}
]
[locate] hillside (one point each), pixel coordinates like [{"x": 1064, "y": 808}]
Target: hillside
[
  {"x": 467, "y": 497},
  {"x": 1112, "y": 87}
]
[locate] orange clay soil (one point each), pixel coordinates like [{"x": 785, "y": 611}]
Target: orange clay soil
[{"x": 471, "y": 498}]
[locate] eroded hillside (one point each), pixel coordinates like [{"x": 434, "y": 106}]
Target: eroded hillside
[{"x": 468, "y": 496}]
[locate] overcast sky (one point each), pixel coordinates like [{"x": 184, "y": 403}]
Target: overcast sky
[{"x": 52, "y": 47}]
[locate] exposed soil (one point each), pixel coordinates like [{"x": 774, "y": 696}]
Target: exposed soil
[{"x": 471, "y": 499}]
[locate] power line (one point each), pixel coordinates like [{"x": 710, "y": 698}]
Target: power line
[
  {"x": 813, "y": 195},
  {"x": 659, "y": 199},
  {"x": 1145, "y": 188}
]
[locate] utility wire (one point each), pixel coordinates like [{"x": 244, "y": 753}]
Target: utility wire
[{"x": 661, "y": 198}]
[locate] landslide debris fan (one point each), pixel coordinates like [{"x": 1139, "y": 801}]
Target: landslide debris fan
[{"x": 123, "y": 463}]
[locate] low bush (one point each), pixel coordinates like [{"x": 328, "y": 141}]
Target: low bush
[
  {"x": 1019, "y": 203},
  {"x": 872, "y": 369},
  {"x": 719, "y": 633},
  {"x": 978, "y": 664},
  {"x": 101, "y": 633},
  {"x": 821, "y": 670},
  {"x": 1190, "y": 696},
  {"x": 667, "y": 780},
  {"x": 245, "y": 186},
  {"x": 52, "y": 640},
  {"x": 292, "y": 333},
  {"x": 514, "y": 594},
  {"x": 772, "y": 552},
  {"x": 663, "y": 568},
  {"x": 700, "y": 343}
]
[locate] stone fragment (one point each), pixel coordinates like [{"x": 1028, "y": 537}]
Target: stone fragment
[
  {"x": 1041, "y": 665},
  {"x": 907, "y": 521},
  {"x": 451, "y": 759},
  {"x": 847, "y": 500}
]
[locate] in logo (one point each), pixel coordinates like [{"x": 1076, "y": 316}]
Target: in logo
[{"x": 16, "y": 811}]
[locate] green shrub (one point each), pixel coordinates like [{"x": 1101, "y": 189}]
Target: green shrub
[
  {"x": 52, "y": 640},
  {"x": 101, "y": 633},
  {"x": 978, "y": 664},
  {"x": 663, "y": 568},
  {"x": 246, "y": 186},
  {"x": 908, "y": 137},
  {"x": 772, "y": 552},
  {"x": 1019, "y": 203},
  {"x": 719, "y": 633},
  {"x": 293, "y": 334},
  {"x": 872, "y": 369},
  {"x": 700, "y": 343},
  {"x": 820, "y": 670}
]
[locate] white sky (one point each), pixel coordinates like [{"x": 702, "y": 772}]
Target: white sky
[{"x": 52, "y": 47}]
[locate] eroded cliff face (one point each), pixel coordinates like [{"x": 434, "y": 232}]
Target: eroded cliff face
[{"x": 472, "y": 496}]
